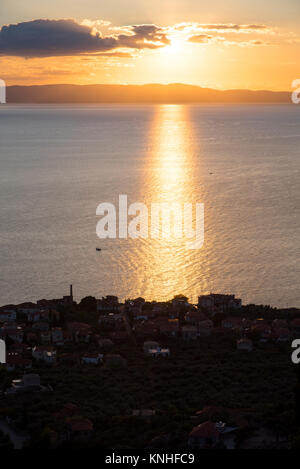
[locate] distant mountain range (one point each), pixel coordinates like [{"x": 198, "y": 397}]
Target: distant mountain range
[{"x": 152, "y": 93}]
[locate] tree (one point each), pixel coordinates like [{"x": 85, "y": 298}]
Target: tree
[{"x": 181, "y": 297}]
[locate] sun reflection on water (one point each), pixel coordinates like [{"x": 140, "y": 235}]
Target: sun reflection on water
[{"x": 169, "y": 176}]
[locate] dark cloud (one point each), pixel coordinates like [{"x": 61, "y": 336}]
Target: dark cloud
[
  {"x": 49, "y": 38},
  {"x": 118, "y": 54}
]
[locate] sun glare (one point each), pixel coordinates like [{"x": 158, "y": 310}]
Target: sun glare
[{"x": 175, "y": 47}]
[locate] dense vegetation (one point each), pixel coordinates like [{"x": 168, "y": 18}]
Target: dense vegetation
[{"x": 207, "y": 372}]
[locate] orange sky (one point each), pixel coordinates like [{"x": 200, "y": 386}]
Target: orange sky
[{"x": 252, "y": 53}]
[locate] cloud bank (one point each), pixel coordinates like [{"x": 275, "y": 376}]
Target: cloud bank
[
  {"x": 49, "y": 38},
  {"x": 66, "y": 37}
]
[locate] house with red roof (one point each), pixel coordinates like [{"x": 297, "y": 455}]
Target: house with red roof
[
  {"x": 205, "y": 435},
  {"x": 80, "y": 428},
  {"x": 211, "y": 434}
]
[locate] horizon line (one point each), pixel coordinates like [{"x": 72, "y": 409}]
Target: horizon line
[{"x": 152, "y": 84}]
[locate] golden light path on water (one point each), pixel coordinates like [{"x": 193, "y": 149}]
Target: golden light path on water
[
  {"x": 161, "y": 268},
  {"x": 241, "y": 161}
]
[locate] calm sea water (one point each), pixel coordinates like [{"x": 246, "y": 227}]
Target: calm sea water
[{"x": 58, "y": 163}]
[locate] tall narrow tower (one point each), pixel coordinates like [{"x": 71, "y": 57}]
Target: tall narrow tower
[{"x": 71, "y": 293}]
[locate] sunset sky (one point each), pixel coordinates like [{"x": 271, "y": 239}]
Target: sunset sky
[{"x": 233, "y": 44}]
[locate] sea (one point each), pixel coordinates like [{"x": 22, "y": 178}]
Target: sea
[{"x": 59, "y": 162}]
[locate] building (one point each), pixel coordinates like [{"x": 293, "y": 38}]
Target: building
[
  {"x": 232, "y": 323},
  {"x": 14, "y": 333},
  {"x": 37, "y": 316},
  {"x": 281, "y": 334},
  {"x": 105, "y": 343},
  {"x": 263, "y": 331},
  {"x": 44, "y": 353},
  {"x": 108, "y": 304},
  {"x": 19, "y": 348},
  {"x": 295, "y": 327},
  {"x": 159, "y": 352},
  {"x": 111, "y": 318},
  {"x": 159, "y": 307},
  {"x": 68, "y": 300},
  {"x": 244, "y": 344},
  {"x": 41, "y": 326},
  {"x": 205, "y": 328},
  {"x": 194, "y": 317},
  {"x": 80, "y": 331},
  {"x": 210, "y": 435},
  {"x": 280, "y": 323},
  {"x": 8, "y": 316},
  {"x": 145, "y": 413},
  {"x": 45, "y": 338},
  {"x": 189, "y": 332},
  {"x": 80, "y": 428},
  {"x": 27, "y": 308},
  {"x": 146, "y": 329},
  {"x": 169, "y": 329},
  {"x": 217, "y": 303},
  {"x": 15, "y": 361},
  {"x": 57, "y": 336},
  {"x": 29, "y": 382},
  {"x": 115, "y": 361},
  {"x": 150, "y": 344},
  {"x": 205, "y": 435},
  {"x": 92, "y": 358}
]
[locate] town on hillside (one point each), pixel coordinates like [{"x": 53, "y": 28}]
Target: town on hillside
[{"x": 149, "y": 374}]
